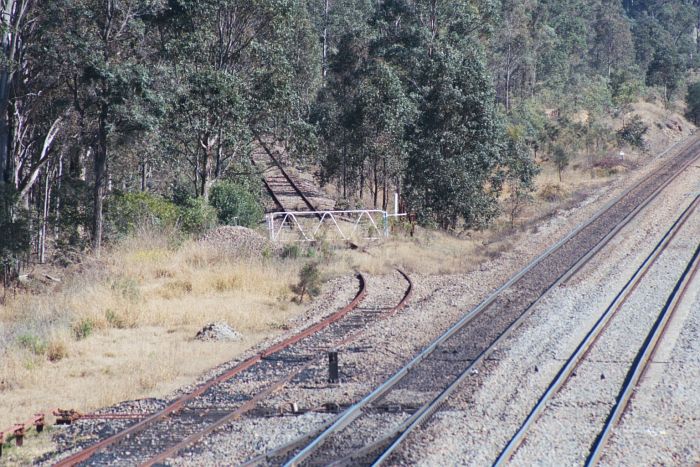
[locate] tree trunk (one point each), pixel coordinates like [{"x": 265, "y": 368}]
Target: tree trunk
[
  {"x": 324, "y": 60},
  {"x": 5, "y": 81},
  {"x": 100, "y": 162}
]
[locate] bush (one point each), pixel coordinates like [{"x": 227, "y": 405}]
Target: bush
[
  {"x": 235, "y": 205},
  {"x": 693, "y": 100},
  {"x": 291, "y": 251},
  {"x": 33, "y": 343},
  {"x": 633, "y": 132},
  {"x": 196, "y": 216},
  {"x": 309, "y": 281},
  {"x": 128, "y": 211},
  {"x": 83, "y": 328},
  {"x": 56, "y": 350}
]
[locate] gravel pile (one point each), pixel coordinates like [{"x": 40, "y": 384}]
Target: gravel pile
[
  {"x": 217, "y": 332},
  {"x": 240, "y": 241}
]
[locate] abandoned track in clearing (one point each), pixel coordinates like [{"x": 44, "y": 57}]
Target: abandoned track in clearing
[
  {"x": 239, "y": 390},
  {"x": 359, "y": 436},
  {"x": 288, "y": 194}
]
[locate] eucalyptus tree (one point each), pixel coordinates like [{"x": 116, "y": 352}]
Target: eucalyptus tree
[
  {"x": 103, "y": 48},
  {"x": 235, "y": 68}
]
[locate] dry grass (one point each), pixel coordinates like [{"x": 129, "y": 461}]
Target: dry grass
[{"x": 123, "y": 327}]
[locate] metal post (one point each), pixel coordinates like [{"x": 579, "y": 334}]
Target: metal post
[{"x": 333, "y": 367}]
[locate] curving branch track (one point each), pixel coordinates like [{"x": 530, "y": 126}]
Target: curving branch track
[{"x": 236, "y": 392}]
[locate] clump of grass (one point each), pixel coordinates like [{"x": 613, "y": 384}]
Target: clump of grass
[
  {"x": 552, "y": 192},
  {"x": 56, "y": 350},
  {"x": 33, "y": 343},
  {"x": 291, "y": 251},
  {"x": 83, "y": 328}
]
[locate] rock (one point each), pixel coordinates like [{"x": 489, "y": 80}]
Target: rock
[{"x": 218, "y": 332}]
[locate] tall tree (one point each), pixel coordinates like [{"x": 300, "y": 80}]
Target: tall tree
[{"x": 103, "y": 46}]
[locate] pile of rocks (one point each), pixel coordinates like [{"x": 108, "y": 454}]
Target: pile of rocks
[
  {"x": 238, "y": 240},
  {"x": 218, "y": 332}
]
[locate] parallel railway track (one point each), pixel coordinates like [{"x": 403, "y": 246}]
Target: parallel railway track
[
  {"x": 642, "y": 350},
  {"x": 435, "y": 373}
]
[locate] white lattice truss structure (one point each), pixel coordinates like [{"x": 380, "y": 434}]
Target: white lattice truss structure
[{"x": 306, "y": 226}]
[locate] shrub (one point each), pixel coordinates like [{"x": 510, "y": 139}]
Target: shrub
[
  {"x": 291, "y": 251},
  {"x": 561, "y": 159},
  {"x": 235, "y": 205},
  {"x": 33, "y": 343},
  {"x": 83, "y": 328},
  {"x": 309, "y": 281},
  {"x": 196, "y": 216},
  {"x": 128, "y": 211},
  {"x": 56, "y": 350},
  {"x": 633, "y": 132}
]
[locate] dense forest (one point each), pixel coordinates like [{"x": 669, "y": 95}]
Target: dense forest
[{"x": 110, "y": 109}]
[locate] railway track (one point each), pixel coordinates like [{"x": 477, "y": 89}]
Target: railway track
[
  {"x": 238, "y": 391},
  {"x": 361, "y": 435},
  {"x": 634, "y": 350},
  {"x": 287, "y": 193}
]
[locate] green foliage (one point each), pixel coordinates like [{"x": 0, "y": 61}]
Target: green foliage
[
  {"x": 235, "y": 205},
  {"x": 693, "y": 101},
  {"x": 561, "y": 159},
  {"x": 33, "y": 343},
  {"x": 129, "y": 211},
  {"x": 291, "y": 251},
  {"x": 633, "y": 132},
  {"x": 83, "y": 328},
  {"x": 14, "y": 230},
  {"x": 309, "y": 282},
  {"x": 196, "y": 216},
  {"x": 665, "y": 71}
]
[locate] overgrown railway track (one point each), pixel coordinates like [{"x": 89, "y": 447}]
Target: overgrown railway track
[
  {"x": 284, "y": 191},
  {"x": 427, "y": 381},
  {"x": 238, "y": 391}
]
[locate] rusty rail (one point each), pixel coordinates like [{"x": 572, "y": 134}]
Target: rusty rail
[
  {"x": 250, "y": 404},
  {"x": 86, "y": 453}
]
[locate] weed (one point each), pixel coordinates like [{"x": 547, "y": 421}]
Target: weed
[
  {"x": 291, "y": 251},
  {"x": 127, "y": 288},
  {"x": 115, "y": 319},
  {"x": 33, "y": 343},
  {"x": 56, "y": 350},
  {"x": 83, "y": 328},
  {"x": 224, "y": 284}
]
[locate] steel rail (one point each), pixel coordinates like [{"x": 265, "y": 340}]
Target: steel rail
[
  {"x": 178, "y": 404},
  {"x": 285, "y": 175},
  {"x": 644, "y": 357},
  {"x": 594, "y": 333},
  {"x": 250, "y": 404},
  {"x": 355, "y": 411}
]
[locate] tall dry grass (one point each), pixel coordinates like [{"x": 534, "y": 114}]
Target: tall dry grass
[{"x": 122, "y": 327}]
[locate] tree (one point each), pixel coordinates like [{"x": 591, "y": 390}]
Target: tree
[
  {"x": 561, "y": 159},
  {"x": 633, "y": 132},
  {"x": 613, "y": 47},
  {"x": 693, "y": 101},
  {"x": 664, "y": 70},
  {"x": 101, "y": 45}
]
